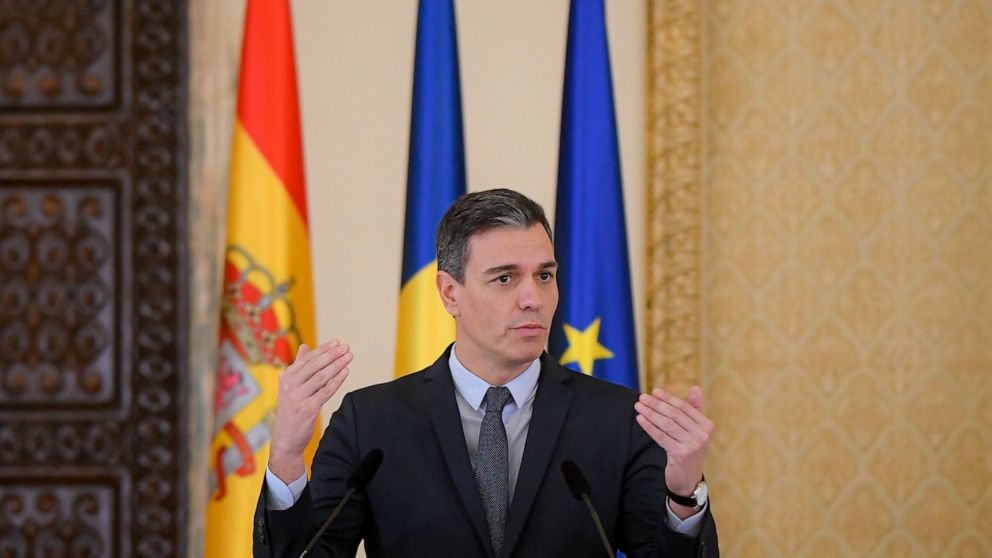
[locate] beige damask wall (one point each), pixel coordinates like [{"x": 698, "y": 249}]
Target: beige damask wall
[{"x": 820, "y": 257}]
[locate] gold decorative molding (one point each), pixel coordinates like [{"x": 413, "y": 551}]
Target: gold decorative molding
[{"x": 674, "y": 140}]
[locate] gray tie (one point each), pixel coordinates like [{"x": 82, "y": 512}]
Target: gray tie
[{"x": 492, "y": 465}]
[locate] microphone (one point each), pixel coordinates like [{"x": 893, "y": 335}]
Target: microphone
[
  {"x": 365, "y": 471},
  {"x": 579, "y": 487},
  {"x": 357, "y": 482}
]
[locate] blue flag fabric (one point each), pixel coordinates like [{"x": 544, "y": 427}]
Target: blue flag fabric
[
  {"x": 593, "y": 330},
  {"x": 435, "y": 178},
  {"x": 436, "y": 173}
]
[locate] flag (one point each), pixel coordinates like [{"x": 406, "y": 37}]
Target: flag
[
  {"x": 435, "y": 178},
  {"x": 267, "y": 298},
  {"x": 593, "y": 330}
]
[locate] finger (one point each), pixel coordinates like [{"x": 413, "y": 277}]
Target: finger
[
  {"x": 327, "y": 347},
  {"x": 681, "y": 404},
  {"x": 313, "y": 403},
  {"x": 320, "y": 369},
  {"x": 663, "y": 423},
  {"x": 702, "y": 426},
  {"x": 659, "y": 436},
  {"x": 695, "y": 398},
  {"x": 328, "y": 390},
  {"x": 669, "y": 411},
  {"x": 303, "y": 356},
  {"x": 327, "y": 373},
  {"x": 312, "y": 362}
]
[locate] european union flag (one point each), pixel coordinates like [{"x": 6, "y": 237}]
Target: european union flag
[
  {"x": 593, "y": 330},
  {"x": 436, "y": 176}
]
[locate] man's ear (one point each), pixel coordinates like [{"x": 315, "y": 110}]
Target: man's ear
[{"x": 447, "y": 287}]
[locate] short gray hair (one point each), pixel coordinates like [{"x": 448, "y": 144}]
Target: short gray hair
[{"x": 479, "y": 212}]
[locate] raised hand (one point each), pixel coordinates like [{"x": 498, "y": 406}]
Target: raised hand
[
  {"x": 304, "y": 387},
  {"x": 679, "y": 426}
]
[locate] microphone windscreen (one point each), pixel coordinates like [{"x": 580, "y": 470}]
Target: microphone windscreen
[
  {"x": 576, "y": 481},
  {"x": 366, "y": 470}
]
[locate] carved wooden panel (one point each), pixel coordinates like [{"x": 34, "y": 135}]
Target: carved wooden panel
[
  {"x": 46, "y": 519},
  {"x": 92, "y": 267},
  {"x": 57, "y": 252},
  {"x": 59, "y": 53}
]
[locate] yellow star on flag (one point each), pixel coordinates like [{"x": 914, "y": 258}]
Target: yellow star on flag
[{"x": 584, "y": 347}]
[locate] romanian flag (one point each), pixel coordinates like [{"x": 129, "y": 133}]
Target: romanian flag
[
  {"x": 593, "y": 330},
  {"x": 267, "y": 299},
  {"x": 435, "y": 178}
]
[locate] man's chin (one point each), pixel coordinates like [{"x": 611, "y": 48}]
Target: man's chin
[{"x": 531, "y": 350}]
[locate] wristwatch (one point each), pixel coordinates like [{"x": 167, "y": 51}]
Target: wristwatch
[{"x": 695, "y": 500}]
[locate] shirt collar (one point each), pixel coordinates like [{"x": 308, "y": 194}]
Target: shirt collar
[{"x": 473, "y": 388}]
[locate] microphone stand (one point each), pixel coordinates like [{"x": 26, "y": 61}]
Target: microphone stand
[
  {"x": 599, "y": 525},
  {"x": 334, "y": 514}
]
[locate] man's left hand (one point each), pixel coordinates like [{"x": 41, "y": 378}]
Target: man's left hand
[{"x": 679, "y": 426}]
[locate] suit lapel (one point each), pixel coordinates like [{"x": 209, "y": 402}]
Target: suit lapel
[
  {"x": 550, "y": 408},
  {"x": 439, "y": 399}
]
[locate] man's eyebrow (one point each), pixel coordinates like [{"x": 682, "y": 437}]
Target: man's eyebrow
[
  {"x": 506, "y": 268},
  {"x": 501, "y": 269}
]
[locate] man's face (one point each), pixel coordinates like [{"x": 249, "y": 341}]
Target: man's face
[{"x": 504, "y": 306}]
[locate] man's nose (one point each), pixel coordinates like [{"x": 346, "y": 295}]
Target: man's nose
[{"x": 529, "y": 295}]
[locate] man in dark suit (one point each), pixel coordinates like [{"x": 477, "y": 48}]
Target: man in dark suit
[{"x": 473, "y": 445}]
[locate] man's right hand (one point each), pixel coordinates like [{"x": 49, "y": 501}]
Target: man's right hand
[{"x": 304, "y": 387}]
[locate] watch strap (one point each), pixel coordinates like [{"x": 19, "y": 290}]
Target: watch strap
[{"x": 688, "y": 501}]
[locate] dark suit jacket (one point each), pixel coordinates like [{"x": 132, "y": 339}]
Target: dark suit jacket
[{"x": 424, "y": 502}]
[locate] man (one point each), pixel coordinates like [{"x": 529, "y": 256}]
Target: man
[{"x": 457, "y": 480}]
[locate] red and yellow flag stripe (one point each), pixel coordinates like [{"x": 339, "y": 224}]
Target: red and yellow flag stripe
[{"x": 267, "y": 301}]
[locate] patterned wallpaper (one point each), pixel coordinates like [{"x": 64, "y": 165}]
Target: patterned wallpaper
[{"x": 829, "y": 162}]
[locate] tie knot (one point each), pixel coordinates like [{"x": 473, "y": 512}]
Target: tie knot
[{"x": 497, "y": 398}]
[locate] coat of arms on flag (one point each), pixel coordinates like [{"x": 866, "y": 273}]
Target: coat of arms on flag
[{"x": 258, "y": 327}]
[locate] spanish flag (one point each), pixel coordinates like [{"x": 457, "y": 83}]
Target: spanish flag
[
  {"x": 267, "y": 299},
  {"x": 435, "y": 178}
]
